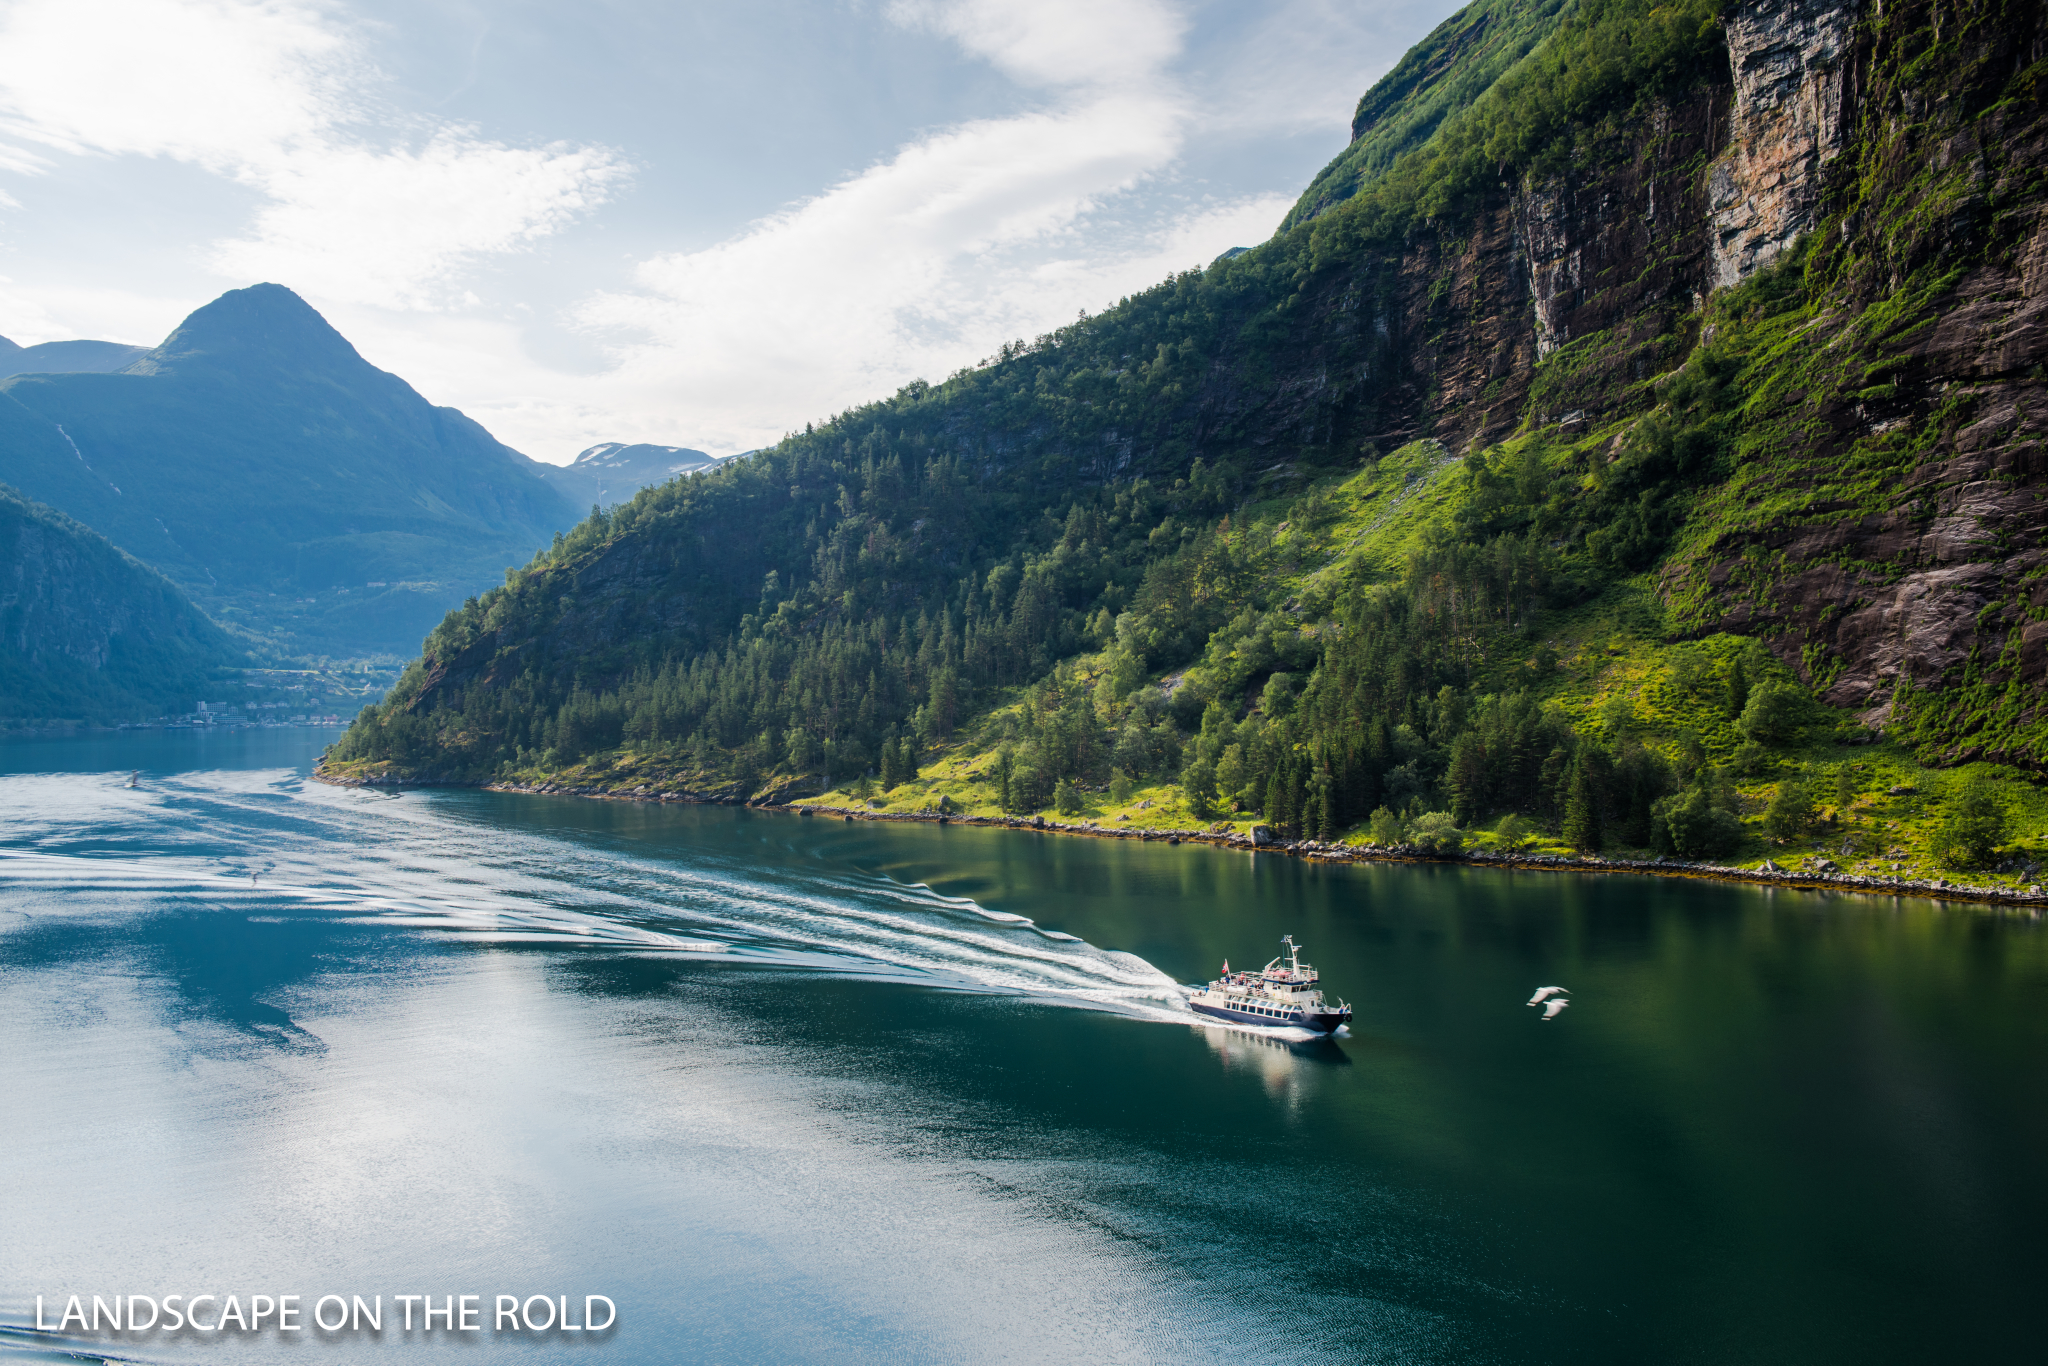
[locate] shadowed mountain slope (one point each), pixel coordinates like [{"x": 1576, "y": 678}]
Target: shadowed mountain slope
[
  {"x": 88, "y": 633},
  {"x": 66, "y": 357},
  {"x": 296, "y": 491}
]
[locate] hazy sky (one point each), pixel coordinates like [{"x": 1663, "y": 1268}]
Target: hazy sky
[{"x": 699, "y": 224}]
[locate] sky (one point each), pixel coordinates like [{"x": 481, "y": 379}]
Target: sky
[{"x": 696, "y": 224}]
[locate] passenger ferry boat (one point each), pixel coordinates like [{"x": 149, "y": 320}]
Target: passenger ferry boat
[{"x": 1276, "y": 995}]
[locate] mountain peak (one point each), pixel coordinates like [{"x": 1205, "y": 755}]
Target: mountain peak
[
  {"x": 613, "y": 471},
  {"x": 263, "y": 322},
  {"x": 631, "y": 455}
]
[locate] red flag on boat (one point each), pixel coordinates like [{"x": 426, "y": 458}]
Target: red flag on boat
[{"x": 1226, "y": 967}]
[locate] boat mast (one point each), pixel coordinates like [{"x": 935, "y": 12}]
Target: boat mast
[{"x": 1293, "y": 952}]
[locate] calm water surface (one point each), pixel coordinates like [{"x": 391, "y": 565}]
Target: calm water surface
[{"x": 794, "y": 1090}]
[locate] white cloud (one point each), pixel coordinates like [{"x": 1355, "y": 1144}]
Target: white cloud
[
  {"x": 60, "y": 310},
  {"x": 992, "y": 229},
  {"x": 928, "y": 259},
  {"x": 1054, "y": 43},
  {"x": 399, "y": 227},
  {"x": 358, "y": 204}
]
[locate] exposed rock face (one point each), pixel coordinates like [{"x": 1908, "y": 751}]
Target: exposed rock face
[
  {"x": 1620, "y": 249},
  {"x": 1790, "y": 61},
  {"x": 1953, "y": 569},
  {"x": 1619, "y": 244},
  {"x": 1889, "y": 544},
  {"x": 1444, "y": 339}
]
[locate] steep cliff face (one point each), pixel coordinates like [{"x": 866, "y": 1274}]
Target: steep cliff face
[
  {"x": 1443, "y": 338},
  {"x": 1790, "y": 60},
  {"x": 1609, "y": 256},
  {"x": 1884, "y": 531}
]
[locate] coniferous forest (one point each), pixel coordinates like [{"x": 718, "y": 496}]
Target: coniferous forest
[{"x": 1266, "y": 543}]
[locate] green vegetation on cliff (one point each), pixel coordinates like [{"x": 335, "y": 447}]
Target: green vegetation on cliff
[
  {"x": 1199, "y": 558},
  {"x": 1485, "y": 99},
  {"x": 1437, "y": 78}
]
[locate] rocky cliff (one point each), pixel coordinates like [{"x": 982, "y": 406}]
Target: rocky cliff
[
  {"x": 1790, "y": 61},
  {"x": 1884, "y": 523},
  {"x": 1884, "y": 531}
]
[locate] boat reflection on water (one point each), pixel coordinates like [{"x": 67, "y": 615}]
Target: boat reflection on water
[{"x": 1287, "y": 1064}]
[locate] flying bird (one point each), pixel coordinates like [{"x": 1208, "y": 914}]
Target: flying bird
[
  {"x": 1555, "y": 1008},
  {"x": 1545, "y": 993}
]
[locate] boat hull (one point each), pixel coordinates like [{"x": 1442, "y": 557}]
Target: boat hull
[{"x": 1321, "y": 1021}]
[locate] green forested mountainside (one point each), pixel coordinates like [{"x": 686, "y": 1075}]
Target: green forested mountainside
[
  {"x": 1470, "y": 503},
  {"x": 1436, "y": 79},
  {"x": 88, "y": 633},
  {"x": 310, "y": 501},
  {"x": 1608, "y": 59}
]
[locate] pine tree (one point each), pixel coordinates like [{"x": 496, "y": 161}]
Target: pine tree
[
  {"x": 1738, "y": 689},
  {"x": 1972, "y": 827},
  {"x": 1582, "y": 812},
  {"x": 1198, "y": 784}
]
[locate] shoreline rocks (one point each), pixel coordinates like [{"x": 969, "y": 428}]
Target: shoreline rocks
[{"x": 1262, "y": 841}]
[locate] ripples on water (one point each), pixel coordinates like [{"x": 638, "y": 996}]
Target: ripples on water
[
  {"x": 836, "y": 1159},
  {"x": 792, "y": 1092},
  {"x": 400, "y": 861}
]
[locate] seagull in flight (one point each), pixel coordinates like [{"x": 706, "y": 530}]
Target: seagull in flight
[
  {"x": 1555, "y": 1008},
  {"x": 1545, "y": 993}
]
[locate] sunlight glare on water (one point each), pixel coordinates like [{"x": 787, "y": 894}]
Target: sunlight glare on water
[{"x": 798, "y": 1090}]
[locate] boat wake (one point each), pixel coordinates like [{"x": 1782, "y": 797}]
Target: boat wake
[{"x": 269, "y": 846}]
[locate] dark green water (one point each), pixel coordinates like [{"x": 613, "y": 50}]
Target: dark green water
[{"x": 793, "y": 1090}]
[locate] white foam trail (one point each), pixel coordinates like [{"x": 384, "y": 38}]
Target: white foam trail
[
  {"x": 161, "y": 879},
  {"x": 427, "y": 866}
]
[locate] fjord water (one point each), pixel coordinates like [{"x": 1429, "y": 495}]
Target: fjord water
[{"x": 798, "y": 1090}]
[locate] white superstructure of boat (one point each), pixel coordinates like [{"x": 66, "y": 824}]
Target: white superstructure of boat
[{"x": 1283, "y": 993}]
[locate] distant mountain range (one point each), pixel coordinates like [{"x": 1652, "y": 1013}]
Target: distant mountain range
[
  {"x": 299, "y": 494},
  {"x": 67, "y": 357},
  {"x": 90, "y": 633},
  {"x": 613, "y": 471}
]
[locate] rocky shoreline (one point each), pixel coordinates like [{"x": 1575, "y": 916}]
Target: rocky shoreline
[{"x": 1937, "y": 889}]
